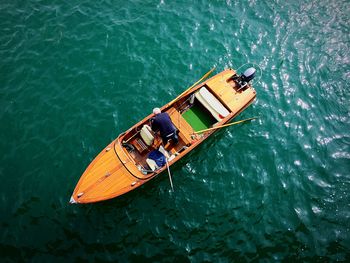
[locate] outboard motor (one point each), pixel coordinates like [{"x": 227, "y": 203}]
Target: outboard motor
[
  {"x": 248, "y": 75},
  {"x": 244, "y": 78}
]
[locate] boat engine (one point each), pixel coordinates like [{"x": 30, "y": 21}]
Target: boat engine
[
  {"x": 248, "y": 75},
  {"x": 245, "y": 77}
]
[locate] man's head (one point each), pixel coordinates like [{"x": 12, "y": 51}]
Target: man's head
[{"x": 156, "y": 111}]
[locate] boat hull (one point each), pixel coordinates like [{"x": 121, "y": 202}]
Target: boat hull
[
  {"x": 106, "y": 177},
  {"x": 115, "y": 172}
]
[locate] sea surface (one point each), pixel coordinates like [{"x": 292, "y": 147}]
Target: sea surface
[{"x": 75, "y": 74}]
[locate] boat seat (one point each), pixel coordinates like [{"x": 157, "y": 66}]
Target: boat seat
[
  {"x": 140, "y": 145},
  {"x": 152, "y": 164},
  {"x": 146, "y": 135},
  {"x": 212, "y": 104}
]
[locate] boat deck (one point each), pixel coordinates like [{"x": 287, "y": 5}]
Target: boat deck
[{"x": 229, "y": 93}]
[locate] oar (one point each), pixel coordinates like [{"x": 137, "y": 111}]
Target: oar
[
  {"x": 202, "y": 78},
  {"x": 171, "y": 181},
  {"x": 226, "y": 125}
]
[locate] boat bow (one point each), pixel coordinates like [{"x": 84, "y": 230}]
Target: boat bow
[{"x": 106, "y": 177}]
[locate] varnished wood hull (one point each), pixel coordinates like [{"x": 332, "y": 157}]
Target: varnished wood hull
[{"x": 113, "y": 172}]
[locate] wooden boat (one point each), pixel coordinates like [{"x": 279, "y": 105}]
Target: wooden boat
[{"x": 123, "y": 165}]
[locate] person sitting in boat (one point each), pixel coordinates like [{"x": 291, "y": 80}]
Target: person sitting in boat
[{"x": 163, "y": 123}]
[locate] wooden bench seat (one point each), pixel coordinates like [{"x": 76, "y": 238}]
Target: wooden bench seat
[{"x": 185, "y": 130}]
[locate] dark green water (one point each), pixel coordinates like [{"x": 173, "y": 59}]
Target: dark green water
[{"x": 75, "y": 74}]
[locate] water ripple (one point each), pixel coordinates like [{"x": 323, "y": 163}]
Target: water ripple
[{"x": 75, "y": 75}]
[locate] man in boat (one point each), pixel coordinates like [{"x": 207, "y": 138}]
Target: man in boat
[{"x": 163, "y": 123}]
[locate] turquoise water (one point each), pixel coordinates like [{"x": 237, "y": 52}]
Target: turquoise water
[{"x": 75, "y": 74}]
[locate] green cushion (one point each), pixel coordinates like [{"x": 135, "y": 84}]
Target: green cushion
[{"x": 198, "y": 119}]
